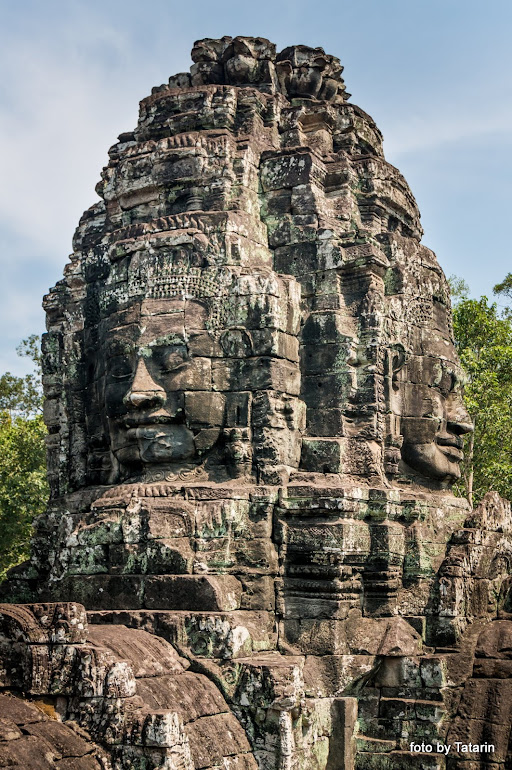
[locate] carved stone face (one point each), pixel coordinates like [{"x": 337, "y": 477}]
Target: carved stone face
[
  {"x": 158, "y": 388},
  {"x": 434, "y": 419}
]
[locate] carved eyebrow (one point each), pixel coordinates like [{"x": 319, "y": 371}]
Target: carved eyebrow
[{"x": 146, "y": 351}]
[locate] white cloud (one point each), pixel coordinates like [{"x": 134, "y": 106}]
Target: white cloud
[
  {"x": 70, "y": 86},
  {"x": 65, "y": 102},
  {"x": 20, "y": 315},
  {"x": 433, "y": 118},
  {"x": 56, "y": 139},
  {"x": 420, "y": 132}
]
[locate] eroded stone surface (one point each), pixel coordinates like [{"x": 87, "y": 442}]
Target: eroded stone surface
[
  {"x": 31, "y": 739},
  {"x": 129, "y": 690},
  {"x": 255, "y": 414}
]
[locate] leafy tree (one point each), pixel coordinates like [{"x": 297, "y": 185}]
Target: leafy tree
[
  {"x": 505, "y": 287},
  {"x": 23, "y": 487},
  {"x": 23, "y": 396},
  {"x": 459, "y": 289},
  {"x": 483, "y": 337}
]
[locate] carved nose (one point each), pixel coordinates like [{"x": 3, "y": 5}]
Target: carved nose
[
  {"x": 144, "y": 391},
  {"x": 459, "y": 421}
]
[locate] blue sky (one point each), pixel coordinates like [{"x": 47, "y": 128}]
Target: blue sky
[{"x": 436, "y": 75}]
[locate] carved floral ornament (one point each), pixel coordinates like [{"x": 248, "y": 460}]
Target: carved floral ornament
[{"x": 164, "y": 280}]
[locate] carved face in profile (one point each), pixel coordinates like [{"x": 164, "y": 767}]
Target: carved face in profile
[
  {"x": 158, "y": 388},
  {"x": 434, "y": 419}
]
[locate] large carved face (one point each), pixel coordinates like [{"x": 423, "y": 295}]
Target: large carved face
[
  {"x": 434, "y": 419},
  {"x": 158, "y": 388}
]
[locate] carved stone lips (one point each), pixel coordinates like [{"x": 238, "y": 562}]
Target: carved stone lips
[
  {"x": 451, "y": 446},
  {"x": 149, "y": 421},
  {"x": 451, "y": 440},
  {"x": 152, "y": 430}
]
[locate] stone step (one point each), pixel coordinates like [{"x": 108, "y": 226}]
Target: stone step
[
  {"x": 272, "y": 660},
  {"x": 413, "y": 693},
  {"x": 374, "y": 745},
  {"x": 405, "y": 708},
  {"x": 415, "y": 701}
]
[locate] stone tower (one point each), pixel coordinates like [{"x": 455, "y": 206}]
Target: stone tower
[{"x": 255, "y": 418}]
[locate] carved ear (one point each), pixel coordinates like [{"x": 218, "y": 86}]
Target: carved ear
[
  {"x": 236, "y": 343},
  {"x": 397, "y": 358}
]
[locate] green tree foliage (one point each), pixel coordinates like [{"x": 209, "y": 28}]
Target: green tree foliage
[
  {"x": 483, "y": 337},
  {"x": 22, "y": 396},
  {"x": 459, "y": 289},
  {"x": 505, "y": 287},
  {"x": 23, "y": 487}
]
